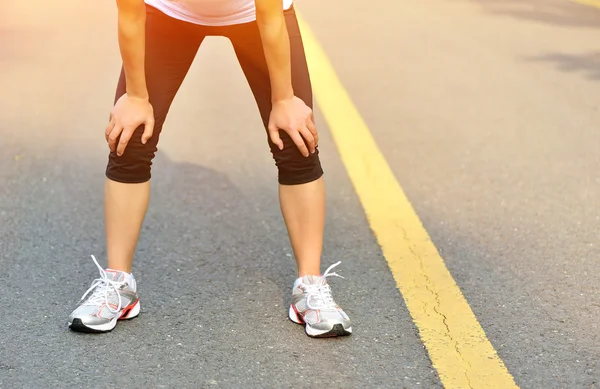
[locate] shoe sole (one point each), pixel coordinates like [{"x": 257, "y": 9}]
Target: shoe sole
[
  {"x": 128, "y": 313},
  {"x": 336, "y": 330}
]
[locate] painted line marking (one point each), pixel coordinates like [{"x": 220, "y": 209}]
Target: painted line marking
[
  {"x": 592, "y": 3},
  {"x": 455, "y": 341}
]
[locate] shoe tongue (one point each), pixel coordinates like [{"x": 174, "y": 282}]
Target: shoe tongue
[
  {"x": 314, "y": 280},
  {"x": 115, "y": 275}
]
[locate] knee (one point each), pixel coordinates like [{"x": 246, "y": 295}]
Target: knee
[
  {"x": 294, "y": 168},
  {"x": 135, "y": 164}
]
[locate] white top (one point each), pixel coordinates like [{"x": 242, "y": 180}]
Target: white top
[{"x": 210, "y": 12}]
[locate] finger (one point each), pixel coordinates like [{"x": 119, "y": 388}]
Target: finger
[
  {"x": 125, "y": 136},
  {"x": 274, "y": 135},
  {"x": 299, "y": 141},
  {"x": 313, "y": 130},
  {"x": 113, "y": 136},
  {"x": 148, "y": 130},
  {"x": 109, "y": 127},
  {"x": 309, "y": 138}
]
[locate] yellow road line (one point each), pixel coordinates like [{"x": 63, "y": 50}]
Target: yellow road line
[
  {"x": 455, "y": 341},
  {"x": 592, "y": 3}
]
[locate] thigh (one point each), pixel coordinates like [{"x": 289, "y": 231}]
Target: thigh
[
  {"x": 247, "y": 44},
  {"x": 171, "y": 46},
  {"x": 292, "y": 166}
]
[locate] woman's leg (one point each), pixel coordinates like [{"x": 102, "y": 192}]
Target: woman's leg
[
  {"x": 301, "y": 185},
  {"x": 170, "y": 49},
  {"x": 301, "y": 189},
  {"x": 171, "y": 46},
  {"x": 303, "y": 209}
]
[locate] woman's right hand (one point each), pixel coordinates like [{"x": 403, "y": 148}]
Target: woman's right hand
[{"x": 126, "y": 116}]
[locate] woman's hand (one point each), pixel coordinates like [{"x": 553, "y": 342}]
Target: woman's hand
[
  {"x": 126, "y": 116},
  {"x": 295, "y": 118}
]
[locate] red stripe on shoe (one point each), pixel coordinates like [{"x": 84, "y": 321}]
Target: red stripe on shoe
[
  {"x": 128, "y": 309},
  {"x": 298, "y": 314}
]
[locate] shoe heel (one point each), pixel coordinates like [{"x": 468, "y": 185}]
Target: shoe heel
[
  {"x": 131, "y": 312},
  {"x": 295, "y": 317}
]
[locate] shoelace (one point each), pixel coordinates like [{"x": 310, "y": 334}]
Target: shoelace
[
  {"x": 102, "y": 285},
  {"x": 321, "y": 292}
]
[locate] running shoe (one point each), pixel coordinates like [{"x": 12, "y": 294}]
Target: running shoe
[
  {"x": 313, "y": 306},
  {"x": 111, "y": 297}
]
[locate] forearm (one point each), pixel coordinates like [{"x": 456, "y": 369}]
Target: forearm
[
  {"x": 276, "y": 45},
  {"x": 132, "y": 25}
]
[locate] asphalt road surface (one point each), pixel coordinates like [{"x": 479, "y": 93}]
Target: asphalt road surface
[{"x": 487, "y": 111}]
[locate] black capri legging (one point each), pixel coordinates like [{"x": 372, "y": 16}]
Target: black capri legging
[{"x": 171, "y": 46}]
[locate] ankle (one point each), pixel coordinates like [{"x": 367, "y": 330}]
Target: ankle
[
  {"x": 119, "y": 270},
  {"x": 304, "y": 274},
  {"x": 309, "y": 271}
]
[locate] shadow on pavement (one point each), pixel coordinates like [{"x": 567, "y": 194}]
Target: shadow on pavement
[
  {"x": 557, "y": 12},
  {"x": 214, "y": 271},
  {"x": 586, "y": 64}
]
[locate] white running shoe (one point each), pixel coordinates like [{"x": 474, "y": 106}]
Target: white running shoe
[
  {"x": 111, "y": 297},
  {"x": 313, "y": 305}
]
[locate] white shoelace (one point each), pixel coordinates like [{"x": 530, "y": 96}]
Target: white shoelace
[
  {"x": 321, "y": 292},
  {"x": 102, "y": 286}
]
